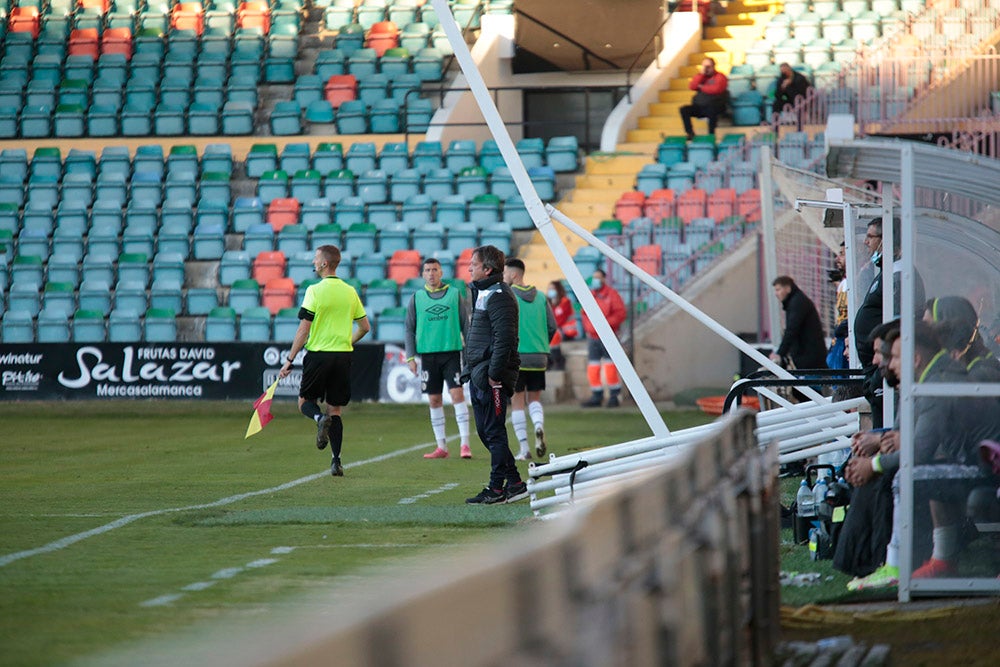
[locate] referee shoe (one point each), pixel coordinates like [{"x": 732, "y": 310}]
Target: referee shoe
[{"x": 322, "y": 432}]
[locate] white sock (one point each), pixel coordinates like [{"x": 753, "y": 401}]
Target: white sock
[
  {"x": 462, "y": 419},
  {"x": 945, "y": 542},
  {"x": 520, "y": 423},
  {"x": 437, "y": 425},
  {"x": 537, "y": 413}
]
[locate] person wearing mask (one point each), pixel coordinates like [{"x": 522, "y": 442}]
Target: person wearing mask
[
  {"x": 565, "y": 316},
  {"x": 598, "y": 360},
  {"x": 790, "y": 87}
]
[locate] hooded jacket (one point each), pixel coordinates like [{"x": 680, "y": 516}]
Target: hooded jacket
[
  {"x": 803, "y": 340},
  {"x": 611, "y": 304},
  {"x": 491, "y": 341}
]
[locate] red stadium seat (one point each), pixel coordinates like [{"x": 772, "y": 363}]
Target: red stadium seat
[
  {"x": 278, "y": 293},
  {"x": 462, "y": 265},
  {"x": 691, "y": 205},
  {"x": 629, "y": 206},
  {"x": 25, "y": 19},
  {"x": 283, "y": 211},
  {"x": 382, "y": 36},
  {"x": 84, "y": 42},
  {"x": 721, "y": 204},
  {"x": 254, "y": 15},
  {"x": 649, "y": 258},
  {"x": 269, "y": 265},
  {"x": 188, "y": 16},
  {"x": 660, "y": 205},
  {"x": 117, "y": 40},
  {"x": 748, "y": 205},
  {"x": 340, "y": 88},
  {"x": 403, "y": 265}
]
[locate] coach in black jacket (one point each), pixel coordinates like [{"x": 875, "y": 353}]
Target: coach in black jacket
[
  {"x": 803, "y": 341},
  {"x": 490, "y": 366}
]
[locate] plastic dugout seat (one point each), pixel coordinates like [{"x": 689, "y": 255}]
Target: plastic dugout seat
[
  {"x": 381, "y": 293},
  {"x": 286, "y": 118},
  {"x": 361, "y": 156},
  {"x": 359, "y": 239},
  {"x": 269, "y": 265},
  {"x": 329, "y": 234},
  {"x": 234, "y": 265},
  {"x": 471, "y": 182},
  {"x": 247, "y": 212},
  {"x": 260, "y": 159},
  {"x": 393, "y": 237},
  {"x": 273, "y": 184},
  {"x": 629, "y": 205},
  {"x": 258, "y": 238},
  {"x": 404, "y": 87},
  {"x": 277, "y": 294},
  {"x": 88, "y": 326},
  {"x": 352, "y": 117},
  {"x": 255, "y": 325},
  {"x": 201, "y": 300},
  {"x": 18, "y": 327},
  {"x": 349, "y": 211},
  {"x": 680, "y": 177},
  {"x": 748, "y": 205},
  {"x": 461, "y": 236},
  {"x": 237, "y": 118},
  {"x": 462, "y": 265},
  {"x": 283, "y": 211},
  {"x": 373, "y": 186},
  {"x": 243, "y": 294},
  {"x": 308, "y": 88},
  {"x": 214, "y": 186},
  {"x": 300, "y": 265},
  {"x": 484, "y": 209},
  {"x": 498, "y": 234},
  {"x": 24, "y": 295},
  {"x": 133, "y": 267},
  {"x": 659, "y": 205},
  {"x": 130, "y": 296},
  {"x": 721, "y": 203},
  {"x": 691, "y": 204},
  {"x": 362, "y": 63},
  {"x": 371, "y": 12},
  {"x": 369, "y": 267},
  {"x": 516, "y": 214},
  {"x": 383, "y": 214},
  {"x": 316, "y": 212},
  {"x": 220, "y": 325},
  {"x": 587, "y": 259},
  {"x": 649, "y": 258},
  {"x": 382, "y": 36},
  {"x": 395, "y": 62},
  {"x": 384, "y": 116},
  {"x": 867, "y": 26},
  {"x": 208, "y": 241},
  {"x": 440, "y": 183},
  {"x": 701, "y": 150},
  {"x": 286, "y": 323},
  {"x": 608, "y": 228},
  {"x": 418, "y": 209},
  {"x": 394, "y": 157},
  {"x": 544, "y": 180},
  {"x": 672, "y": 150},
  {"x": 331, "y": 63},
  {"x": 502, "y": 183},
  {"x": 417, "y": 113},
  {"x": 328, "y": 157},
  {"x": 531, "y": 151},
  {"x": 34, "y": 242},
  {"x": 167, "y": 293},
  {"x": 428, "y": 64},
  {"x": 428, "y": 238},
  {"x": 160, "y": 325},
  {"x": 450, "y": 210},
  {"x": 562, "y": 154}
]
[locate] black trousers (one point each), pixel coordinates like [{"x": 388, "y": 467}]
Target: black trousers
[
  {"x": 708, "y": 111},
  {"x": 489, "y": 407}
]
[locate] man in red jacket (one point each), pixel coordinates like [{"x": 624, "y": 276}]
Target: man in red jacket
[
  {"x": 598, "y": 359},
  {"x": 710, "y": 99}
]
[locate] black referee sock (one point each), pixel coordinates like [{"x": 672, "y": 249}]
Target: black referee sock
[
  {"x": 336, "y": 430},
  {"x": 310, "y": 410}
]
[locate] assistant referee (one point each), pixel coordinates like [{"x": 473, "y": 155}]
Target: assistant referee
[{"x": 327, "y": 331}]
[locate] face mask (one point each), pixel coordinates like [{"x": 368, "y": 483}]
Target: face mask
[
  {"x": 596, "y": 284},
  {"x": 552, "y": 294}
]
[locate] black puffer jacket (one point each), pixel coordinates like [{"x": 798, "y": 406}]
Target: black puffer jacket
[{"x": 491, "y": 338}]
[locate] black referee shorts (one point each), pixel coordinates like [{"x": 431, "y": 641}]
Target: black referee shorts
[{"x": 326, "y": 376}]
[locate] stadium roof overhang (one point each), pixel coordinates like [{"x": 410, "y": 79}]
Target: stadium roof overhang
[{"x": 936, "y": 168}]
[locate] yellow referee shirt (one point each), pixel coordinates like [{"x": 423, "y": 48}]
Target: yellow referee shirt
[{"x": 332, "y": 305}]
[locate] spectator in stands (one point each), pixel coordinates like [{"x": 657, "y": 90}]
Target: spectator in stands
[
  {"x": 803, "y": 342},
  {"x": 536, "y": 326},
  {"x": 867, "y": 525},
  {"x": 957, "y": 324},
  {"x": 436, "y": 318},
  {"x": 330, "y": 310},
  {"x": 710, "y": 99},
  {"x": 565, "y": 316},
  {"x": 869, "y": 313},
  {"x": 490, "y": 366},
  {"x": 790, "y": 87},
  {"x": 598, "y": 360}
]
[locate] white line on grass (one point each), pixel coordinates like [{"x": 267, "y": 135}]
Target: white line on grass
[
  {"x": 427, "y": 494},
  {"x": 125, "y": 520}
]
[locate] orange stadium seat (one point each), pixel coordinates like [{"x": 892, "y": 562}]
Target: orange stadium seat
[
  {"x": 188, "y": 16},
  {"x": 340, "y": 88},
  {"x": 84, "y": 42},
  {"x": 649, "y": 258},
  {"x": 462, "y": 265},
  {"x": 283, "y": 211},
  {"x": 403, "y": 265},
  {"x": 254, "y": 15},
  {"x": 278, "y": 293},
  {"x": 691, "y": 204},
  {"x": 748, "y": 205},
  {"x": 721, "y": 204},
  {"x": 629, "y": 205},
  {"x": 269, "y": 265},
  {"x": 659, "y": 205}
]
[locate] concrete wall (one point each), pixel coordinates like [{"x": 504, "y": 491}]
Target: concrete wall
[{"x": 675, "y": 352}]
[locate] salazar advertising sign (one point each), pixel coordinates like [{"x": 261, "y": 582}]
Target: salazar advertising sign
[{"x": 169, "y": 371}]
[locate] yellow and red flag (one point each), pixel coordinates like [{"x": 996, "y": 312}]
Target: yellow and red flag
[{"x": 261, "y": 411}]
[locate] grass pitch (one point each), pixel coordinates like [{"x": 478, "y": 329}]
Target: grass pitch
[{"x": 131, "y": 520}]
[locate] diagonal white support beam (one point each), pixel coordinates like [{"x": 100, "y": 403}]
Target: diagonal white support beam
[{"x": 536, "y": 209}]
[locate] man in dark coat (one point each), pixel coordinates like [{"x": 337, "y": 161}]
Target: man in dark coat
[
  {"x": 790, "y": 87},
  {"x": 490, "y": 366},
  {"x": 803, "y": 341}
]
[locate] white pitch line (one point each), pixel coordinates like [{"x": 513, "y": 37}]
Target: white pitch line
[
  {"x": 427, "y": 494},
  {"x": 125, "y": 520}
]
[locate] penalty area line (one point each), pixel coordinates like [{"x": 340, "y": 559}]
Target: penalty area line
[{"x": 70, "y": 540}]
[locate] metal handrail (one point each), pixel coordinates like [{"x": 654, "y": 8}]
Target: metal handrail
[
  {"x": 586, "y": 51},
  {"x": 851, "y": 377}
]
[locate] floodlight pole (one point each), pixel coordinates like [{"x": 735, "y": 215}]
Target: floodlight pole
[{"x": 539, "y": 216}]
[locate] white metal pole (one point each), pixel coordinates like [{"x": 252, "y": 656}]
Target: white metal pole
[
  {"x": 906, "y": 412},
  {"x": 889, "y": 295},
  {"x": 851, "y": 270},
  {"x": 536, "y": 210},
  {"x": 769, "y": 230}
]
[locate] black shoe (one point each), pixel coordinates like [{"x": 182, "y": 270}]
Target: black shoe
[
  {"x": 515, "y": 492},
  {"x": 613, "y": 401},
  {"x": 487, "y": 497},
  {"x": 592, "y": 402},
  {"x": 323, "y": 432},
  {"x": 336, "y": 470}
]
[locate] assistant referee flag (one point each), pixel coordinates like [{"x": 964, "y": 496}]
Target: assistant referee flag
[{"x": 261, "y": 411}]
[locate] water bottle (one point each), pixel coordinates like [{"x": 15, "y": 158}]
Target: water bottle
[
  {"x": 820, "y": 508},
  {"x": 805, "y": 513}
]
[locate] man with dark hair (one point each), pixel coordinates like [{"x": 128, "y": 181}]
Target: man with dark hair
[
  {"x": 803, "y": 341},
  {"x": 435, "y": 326},
  {"x": 790, "y": 87},
  {"x": 710, "y": 99},
  {"x": 536, "y": 326},
  {"x": 490, "y": 367},
  {"x": 330, "y": 310}
]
